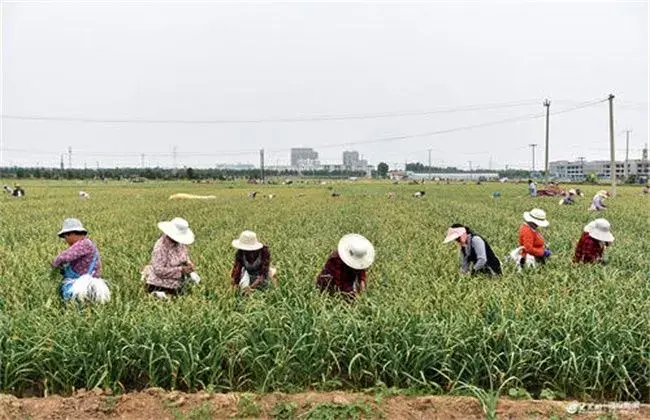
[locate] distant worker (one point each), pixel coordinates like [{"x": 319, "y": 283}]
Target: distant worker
[
  {"x": 18, "y": 191},
  {"x": 80, "y": 265},
  {"x": 170, "y": 267},
  {"x": 569, "y": 199},
  {"x": 252, "y": 268},
  {"x": 476, "y": 255},
  {"x": 598, "y": 202},
  {"x": 596, "y": 237},
  {"x": 532, "y": 188},
  {"x": 345, "y": 269},
  {"x": 531, "y": 240}
]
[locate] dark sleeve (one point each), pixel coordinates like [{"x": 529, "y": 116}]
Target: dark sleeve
[
  {"x": 577, "y": 257},
  {"x": 330, "y": 269},
  {"x": 266, "y": 261},
  {"x": 236, "y": 268}
]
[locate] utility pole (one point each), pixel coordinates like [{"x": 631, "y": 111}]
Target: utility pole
[
  {"x": 142, "y": 160},
  {"x": 627, "y": 152},
  {"x": 174, "y": 151},
  {"x": 547, "y": 104},
  {"x": 612, "y": 166},
  {"x": 429, "y": 160},
  {"x": 97, "y": 165},
  {"x": 62, "y": 166},
  {"x": 533, "y": 146},
  {"x": 262, "y": 164},
  {"x": 69, "y": 157}
]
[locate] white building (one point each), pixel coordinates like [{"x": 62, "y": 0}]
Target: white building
[{"x": 578, "y": 171}]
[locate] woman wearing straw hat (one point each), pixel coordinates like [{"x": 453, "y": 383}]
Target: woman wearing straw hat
[
  {"x": 170, "y": 261},
  {"x": 598, "y": 202},
  {"x": 81, "y": 265},
  {"x": 476, "y": 255},
  {"x": 252, "y": 268},
  {"x": 596, "y": 236},
  {"x": 345, "y": 269},
  {"x": 531, "y": 241}
]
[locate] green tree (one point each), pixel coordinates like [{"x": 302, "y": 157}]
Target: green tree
[{"x": 382, "y": 170}]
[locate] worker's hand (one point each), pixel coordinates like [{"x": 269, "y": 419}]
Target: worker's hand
[
  {"x": 547, "y": 253},
  {"x": 187, "y": 269},
  {"x": 247, "y": 291}
]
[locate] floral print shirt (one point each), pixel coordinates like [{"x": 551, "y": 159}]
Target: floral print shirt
[
  {"x": 166, "y": 264},
  {"x": 80, "y": 255}
]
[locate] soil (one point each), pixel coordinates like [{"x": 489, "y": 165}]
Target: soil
[{"x": 157, "y": 404}]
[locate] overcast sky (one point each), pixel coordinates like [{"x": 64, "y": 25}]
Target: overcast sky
[{"x": 232, "y": 62}]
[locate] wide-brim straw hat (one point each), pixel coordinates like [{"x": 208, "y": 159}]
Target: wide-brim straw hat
[
  {"x": 572, "y": 192},
  {"x": 602, "y": 193},
  {"x": 356, "y": 251},
  {"x": 247, "y": 241},
  {"x": 600, "y": 230},
  {"x": 71, "y": 225},
  {"x": 453, "y": 234},
  {"x": 178, "y": 229},
  {"x": 537, "y": 216}
]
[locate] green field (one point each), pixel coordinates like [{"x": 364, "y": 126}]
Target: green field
[{"x": 582, "y": 332}]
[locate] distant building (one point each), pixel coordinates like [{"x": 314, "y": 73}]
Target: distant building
[
  {"x": 234, "y": 166},
  {"x": 350, "y": 158},
  {"x": 579, "y": 170},
  {"x": 304, "y": 158},
  {"x": 458, "y": 176}
]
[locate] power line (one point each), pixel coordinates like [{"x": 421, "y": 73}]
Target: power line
[
  {"x": 176, "y": 154},
  {"x": 341, "y": 117}
]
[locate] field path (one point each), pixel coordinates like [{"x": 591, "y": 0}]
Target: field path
[{"x": 156, "y": 404}]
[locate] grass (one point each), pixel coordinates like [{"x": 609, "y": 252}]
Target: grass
[{"x": 579, "y": 331}]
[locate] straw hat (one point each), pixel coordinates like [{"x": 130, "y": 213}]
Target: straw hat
[
  {"x": 247, "y": 241},
  {"x": 356, "y": 251},
  {"x": 178, "y": 229},
  {"x": 453, "y": 234},
  {"x": 537, "y": 216},
  {"x": 572, "y": 192},
  {"x": 71, "y": 225},
  {"x": 600, "y": 230},
  {"x": 602, "y": 193}
]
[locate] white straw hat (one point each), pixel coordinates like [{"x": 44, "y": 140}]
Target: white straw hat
[
  {"x": 537, "y": 216},
  {"x": 600, "y": 230},
  {"x": 602, "y": 193},
  {"x": 572, "y": 191},
  {"x": 453, "y": 234},
  {"x": 356, "y": 251},
  {"x": 178, "y": 229},
  {"x": 247, "y": 241},
  {"x": 71, "y": 225}
]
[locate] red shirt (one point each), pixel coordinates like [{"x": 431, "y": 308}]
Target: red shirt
[
  {"x": 531, "y": 240},
  {"x": 588, "y": 250},
  {"x": 251, "y": 256},
  {"x": 337, "y": 276}
]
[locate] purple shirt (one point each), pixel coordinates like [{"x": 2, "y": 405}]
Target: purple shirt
[{"x": 79, "y": 256}]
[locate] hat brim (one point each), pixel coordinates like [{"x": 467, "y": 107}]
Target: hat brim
[
  {"x": 601, "y": 236},
  {"x": 169, "y": 229},
  {"x": 451, "y": 237},
  {"x": 529, "y": 218},
  {"x": 351, "y": 261},
  {"x": 247, "y": 247},
  {"x": 64, "y": 231}
]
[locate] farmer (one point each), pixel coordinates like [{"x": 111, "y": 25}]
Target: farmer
[
  {"x": 170, "y": 261},
  {"x": 596, "y": 236},
  {"x": 598, "y": 202},
  {"x": 531, "y": 241},
  {"x": 252, "y": 268},
  {"x": 345, "y": 269},
  {"x": 18, "y": 191},
  {"x": 569, "y": 199},
  {"x": 80, "y": 264},
  {"x": 532, "y": 188},
  {"x": 476, "y": 255}
]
